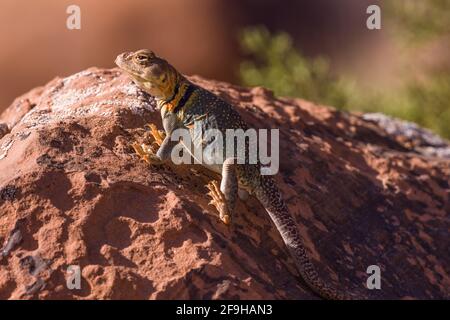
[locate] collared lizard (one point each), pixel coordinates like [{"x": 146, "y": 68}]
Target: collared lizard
[{"x": 181, "y": 103}]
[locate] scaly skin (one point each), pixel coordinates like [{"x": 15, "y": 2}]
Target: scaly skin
[{"x": 182, "y": 103}]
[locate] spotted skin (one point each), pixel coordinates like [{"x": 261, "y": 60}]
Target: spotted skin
[{"x": 182, "y": 104}]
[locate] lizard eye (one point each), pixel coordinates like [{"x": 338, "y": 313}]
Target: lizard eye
[{"x": 141, "y": 58}]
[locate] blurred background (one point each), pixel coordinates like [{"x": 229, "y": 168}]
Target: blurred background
[{"x": 319, "y": 50}]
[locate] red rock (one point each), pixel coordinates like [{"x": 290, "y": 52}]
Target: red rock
[{"x": 72, "y": 187}]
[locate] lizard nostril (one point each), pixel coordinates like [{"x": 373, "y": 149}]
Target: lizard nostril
[
  {"x": 125, "y": 55},
  {"x": 122, "y": 57}
]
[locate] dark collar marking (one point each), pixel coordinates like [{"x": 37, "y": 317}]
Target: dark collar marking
[
  {"x": 175, "y": 92},
  {"x": 187, "y": 94}
]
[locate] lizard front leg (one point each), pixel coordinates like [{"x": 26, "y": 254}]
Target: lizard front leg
[
  {"x": 224, "y": 198},
  {"x": 158, "y": 135},
  {"x": 161, "y": 138},
  {"x": 145, "y": 151},
  {"x": 170, "y": 123}
]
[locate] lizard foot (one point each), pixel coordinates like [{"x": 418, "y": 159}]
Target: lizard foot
[
  {"x": 146, "y": 153},
  {"x": 158, "y": 135},
  {"x": 219, "y": 201}
]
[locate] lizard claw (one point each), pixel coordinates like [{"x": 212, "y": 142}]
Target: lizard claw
[
  {"x": 145, "y": 152},
  {"x": 219, "y": 201},
  {"x": 148, "y": 152},
  {"x": 158, "y": 135},
  {"x": 226, "y": 219}
]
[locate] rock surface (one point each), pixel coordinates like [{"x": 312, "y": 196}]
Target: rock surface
[{"x": 72, "y": 192}]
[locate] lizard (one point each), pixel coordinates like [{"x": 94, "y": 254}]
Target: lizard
[{"x": 182, "y": 103}]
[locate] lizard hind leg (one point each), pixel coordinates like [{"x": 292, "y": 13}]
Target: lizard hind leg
[{"x": 224, "y": 197}]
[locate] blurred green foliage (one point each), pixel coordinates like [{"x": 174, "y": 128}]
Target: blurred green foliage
[
  {"x": 275, "y": 63},
  {"x": 418, "y": 20},
  {"x": 424, "y": 102}
]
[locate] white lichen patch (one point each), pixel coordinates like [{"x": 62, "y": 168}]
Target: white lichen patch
[
  {"x": 5, "y": 146},
  {"x": 60, "y": 102},
  {"x": 427, "y": 142},
  {"x": 84, "y": 73},
  {"x": 140, "y": 105}
]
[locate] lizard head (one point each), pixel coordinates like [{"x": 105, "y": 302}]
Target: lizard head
[{"x": 153, "y": 74}]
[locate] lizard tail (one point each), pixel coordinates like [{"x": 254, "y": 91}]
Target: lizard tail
[{"x": 270, "y": 197}]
